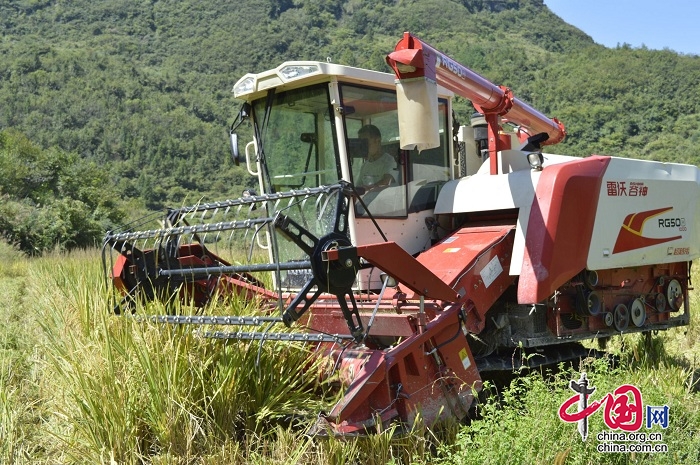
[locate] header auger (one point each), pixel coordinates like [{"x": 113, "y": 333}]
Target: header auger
[{"x": 420, "y": 286}]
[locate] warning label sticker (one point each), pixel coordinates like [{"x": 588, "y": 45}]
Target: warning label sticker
[{"x": 491, "y": 271}]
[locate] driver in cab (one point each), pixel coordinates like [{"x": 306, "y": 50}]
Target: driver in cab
[{"x": 376, "y": 170}]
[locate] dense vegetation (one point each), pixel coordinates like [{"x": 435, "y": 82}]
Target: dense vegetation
[
  {"x": 143, "y": 88},
  {"x": 51, "y": 198}
]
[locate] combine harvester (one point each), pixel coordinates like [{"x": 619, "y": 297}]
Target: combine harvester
[{"x": 473, "y": 253}]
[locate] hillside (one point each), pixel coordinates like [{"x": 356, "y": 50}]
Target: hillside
[{"x": 143, "y": 88}]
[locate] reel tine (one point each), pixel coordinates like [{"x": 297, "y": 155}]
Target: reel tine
[{"x": 207, "y": 245}]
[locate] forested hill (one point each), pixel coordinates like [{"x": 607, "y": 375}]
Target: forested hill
[{"x": 144, "y": 88}]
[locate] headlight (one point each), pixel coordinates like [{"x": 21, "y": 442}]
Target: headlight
[
  {"x": 535, "y": 159},
  {"x": 297, "y": 71},
  {"x": 244, "y": 86}
]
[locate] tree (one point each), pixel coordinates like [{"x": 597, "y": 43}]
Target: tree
[{"x": 51, "y": 198}]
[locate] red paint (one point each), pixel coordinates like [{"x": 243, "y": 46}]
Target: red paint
[
  {"x": 630, "y": 236},
  {"x": 460, "y": 259},
  {"x": 560, "y": 227},
  {"x": 398, "y": 263}
]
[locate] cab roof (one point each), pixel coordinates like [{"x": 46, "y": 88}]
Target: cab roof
[{"x": 293, "y": 74}]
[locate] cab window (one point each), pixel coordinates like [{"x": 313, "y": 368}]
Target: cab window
[{"x": 392, "y": 182}]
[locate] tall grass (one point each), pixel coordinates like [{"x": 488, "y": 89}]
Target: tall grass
[
  {"x": 520, "y": 425},
  {"x": 18, "y": 378},
  {"x": 131, "y": 390},
  {"x": 78, "y": 385}
]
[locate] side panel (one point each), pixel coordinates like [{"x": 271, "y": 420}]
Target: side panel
[
  {"x": 474, "y": 262},
  {"x": 410, "y": 233},
  {"x": 560, "y": 226},
  {"x": 513, "y": 189},
  {"x": 485, "y": 192},
  {"x": 647, "y": 214}
]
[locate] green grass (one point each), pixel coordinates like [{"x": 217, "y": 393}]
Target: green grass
[
  {"x": 80, "y": 386},
  {"x": 524, "y": 417}
]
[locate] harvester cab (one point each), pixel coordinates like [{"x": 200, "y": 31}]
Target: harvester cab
[
  {"x": 417, "y": 253},
  {"x": 310, "y": 121}
]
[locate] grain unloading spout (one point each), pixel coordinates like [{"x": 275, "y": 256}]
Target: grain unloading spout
[{"x": 419, "y": 67}]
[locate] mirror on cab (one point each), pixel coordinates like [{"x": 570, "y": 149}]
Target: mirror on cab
[
  {"x": 235, "y": 154},
  {"x": 243, "y": 114}
]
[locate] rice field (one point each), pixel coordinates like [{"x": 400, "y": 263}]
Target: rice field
[{"x": 78, "y": 385}]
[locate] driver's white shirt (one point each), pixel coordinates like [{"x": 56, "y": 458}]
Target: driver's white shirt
[{"x": 373, "y": 171}]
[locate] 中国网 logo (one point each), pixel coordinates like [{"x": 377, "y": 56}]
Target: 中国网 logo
[{"x": 623, "y": 413}]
